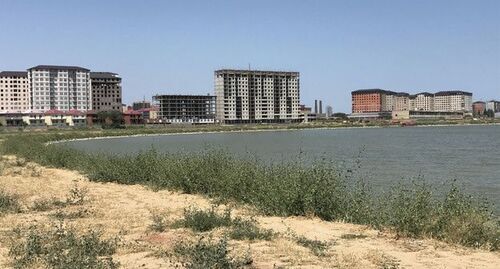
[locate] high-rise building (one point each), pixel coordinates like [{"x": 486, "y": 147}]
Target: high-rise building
[
  {"x": 186, "y": 108},
  {"x": 14, "y": 91},
  {"x": 493, "y": 106},
  {"x": 60, "y": 88},
  {"x": 247, "y": 96},
  {"x": 401, "y": 101},
  {"x": 452, "y": 101},
  {"x": 106, "y": 91},
  {"x": 329, "y": 111}
]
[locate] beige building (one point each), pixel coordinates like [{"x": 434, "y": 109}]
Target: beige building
[
  {"x": 423, "y": 101},
  {"x": 14, "y": 91},
  {"x": 451, "y": 101},
  {"x": 245, "y": 96},
  {"x": 401, "y": 101},
  {"x": 60, "y": 87}
]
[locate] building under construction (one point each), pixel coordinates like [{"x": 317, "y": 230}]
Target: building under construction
[{"x": 185, "y": 108}]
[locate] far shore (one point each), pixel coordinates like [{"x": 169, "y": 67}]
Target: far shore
[{"x": 275, "y": 128}]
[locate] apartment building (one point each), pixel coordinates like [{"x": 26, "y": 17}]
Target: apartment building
[
  {"x": 106, "y": 91},
  {"x": 372, "y": 101},
  {"x": 401, "y": 101},
  {"x": 493, "y": 106},
  {"x": 60, "y": 88},
  {"x": 248, "y": 96},
  {"x": 478, "y": 108},
  {"x": 453, "y": 101},
  {"x": 14, "y": 91},
  {"x": 185, "y": 108},
  {"x": 423, "y": 101}
]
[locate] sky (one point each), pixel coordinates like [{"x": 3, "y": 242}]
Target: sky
[{"x": 172, "y": 47}]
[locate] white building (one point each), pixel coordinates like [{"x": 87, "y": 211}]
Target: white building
[
  {"x": 423, "y": 101},
  {"x": 493, "y": 106},
  {"x": 244, "y": 96},
  {"x": 452, "y": 101},
  {"x": 14, "y": 92},
  {"x": 60, "y": 88}
]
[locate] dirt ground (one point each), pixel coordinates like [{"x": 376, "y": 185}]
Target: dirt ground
[{"x": 125, "y": 211}]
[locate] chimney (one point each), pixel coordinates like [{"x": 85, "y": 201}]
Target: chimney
[
  {"x": 320, "y": 107},
  {"x": 315, "y": 106}
]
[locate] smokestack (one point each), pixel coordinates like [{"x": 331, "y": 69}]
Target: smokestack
[
  {"x": 315, "y": 106},
  {"x": 320, "y": 107}
]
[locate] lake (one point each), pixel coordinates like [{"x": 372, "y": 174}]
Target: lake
[{"x": 469, "y": 154}]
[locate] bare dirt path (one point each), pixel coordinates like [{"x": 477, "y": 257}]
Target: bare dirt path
[{"x": 125, "y": 210}]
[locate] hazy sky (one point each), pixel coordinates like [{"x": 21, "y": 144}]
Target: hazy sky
[{"x": 337, "y": 46}]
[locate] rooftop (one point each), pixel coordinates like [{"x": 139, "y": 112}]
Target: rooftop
[
  {"x": 59, "y": 67},
  {"x": 443, "y": 93},
  {"x": 103, "y": 75},
  {"x": 243, "y": 71},
  {"x": 13, "y": 74}
]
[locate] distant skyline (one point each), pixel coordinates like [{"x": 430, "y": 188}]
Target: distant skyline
[{"x": 172, "y": 47}]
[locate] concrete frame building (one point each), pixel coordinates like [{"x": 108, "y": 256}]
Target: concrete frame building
[
  {"x": 453, "y": 101},
  {"x": 250, "y": 96},
  {"x": 14, "y": 91},
  {"x": 106, "y": 91},
  {"x": 60, "y": 88},
  {"x": 186, "y": 108}
]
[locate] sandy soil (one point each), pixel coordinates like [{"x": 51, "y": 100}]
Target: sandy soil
[{"x": 125, "y": 210}]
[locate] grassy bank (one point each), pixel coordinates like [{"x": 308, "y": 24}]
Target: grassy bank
[{"x": 280, "y": 189}]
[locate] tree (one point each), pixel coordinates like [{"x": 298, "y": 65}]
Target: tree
[{"x": 110, "y": 119}]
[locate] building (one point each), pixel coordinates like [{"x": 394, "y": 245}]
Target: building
[
  {"x": 106, "y": 91},
  {"x": 185, "y": 108},
  {"x": 478, "y": 108},
  {"x": 60, "y": 88},
  {"x": 14, "y": 91},
  {"x": 401, "y": 101},
  {"x": 372, "y": 101},
  {"x": 452, "y": 101},
  {"x": 248, "y": 96},
  {"x": 423, "y": 101},
  {"x": 141, "y": 105},
  {"x": 329, "y": 111},
  {"x": 493, "y": 106}
]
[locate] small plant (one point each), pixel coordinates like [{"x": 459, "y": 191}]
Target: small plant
[
  {"x": 61, "y": 248},
  {"x": 353, "y": 236},
  {"x": 76, "y": 214},
  {"x": 9, "y": 202},
  {"x": 317, "y": 247},
  {"x": 76, "y": 196},
  {"x": 248, "y": 229},
  {"x": 21, "y": 162},
  {"x": 159, "y": 223},
  {"x": 35, "y": 170},
  {"x": 208, "y": 253},
  {"x": 42, "y": 205},
  {"x": 201, "y": 221}
]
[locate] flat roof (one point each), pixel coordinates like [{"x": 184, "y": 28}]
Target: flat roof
[
  {"x": 443, "y": 93},
  {"x": 267, "y": 72},
  {"x": 183, "y": 95},
  {"x": 13, "y": 74},
  {"x": 103, "y": 75},
  {"x": 361, "y": 91},
  {"x": 59, "y": 67}
]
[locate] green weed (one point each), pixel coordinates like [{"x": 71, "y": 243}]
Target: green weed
[{"x": 9, "y": 202}]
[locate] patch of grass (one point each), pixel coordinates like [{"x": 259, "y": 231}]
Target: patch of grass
[
  {"x": 41, "y": 205},
  {"x": 208, "y": 253},
  {"x": 62, "y": 248},
  {"x": 317, "y": 247},
  {"x": 200, "y": 220},
  {"x": 69, "y": 215},
  {"x": 353, "y": 236},
  {"x": 9, "y": 202},
  {"x": 242, "y": 229},
  {"x": 159, "y": 223}
]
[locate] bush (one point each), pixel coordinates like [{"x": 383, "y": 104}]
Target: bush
[
  {"x": 62, "y": 248},
  {"x": 9, "y": 202},
  {"x": 208, "y": 254},
  {"x": 159, "y": 224},
  {"x": 247, "y": 229},
  {"x": 201, "y": 221}
]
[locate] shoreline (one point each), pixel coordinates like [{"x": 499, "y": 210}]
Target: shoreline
[{"x": 279, "y": 129}]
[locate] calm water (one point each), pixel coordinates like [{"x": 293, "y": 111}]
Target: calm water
[{"x": 470, "y": 154}]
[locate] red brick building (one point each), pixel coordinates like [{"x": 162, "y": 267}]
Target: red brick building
[{"x": 369, "y": 100}]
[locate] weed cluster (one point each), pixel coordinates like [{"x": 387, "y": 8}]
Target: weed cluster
[
  {"x": 61, "y": 248},
  {"x": 205, "y": 220},
  {"x": 9, "y": 202},
  {"x": 208, "y": 253},
  {"x": 159, "y": 223}
]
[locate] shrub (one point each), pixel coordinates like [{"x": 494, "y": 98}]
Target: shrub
[
  {"x": 159, "y": 223},
  {"x": 62, "y": 248},
  {"x": 248, "y": 229},
  {"x": 208, "y": 253},
  {"x": 201, "y": 221},
  {"x": 9, "y": 202},
  {"x": 76, "y": 196}
]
